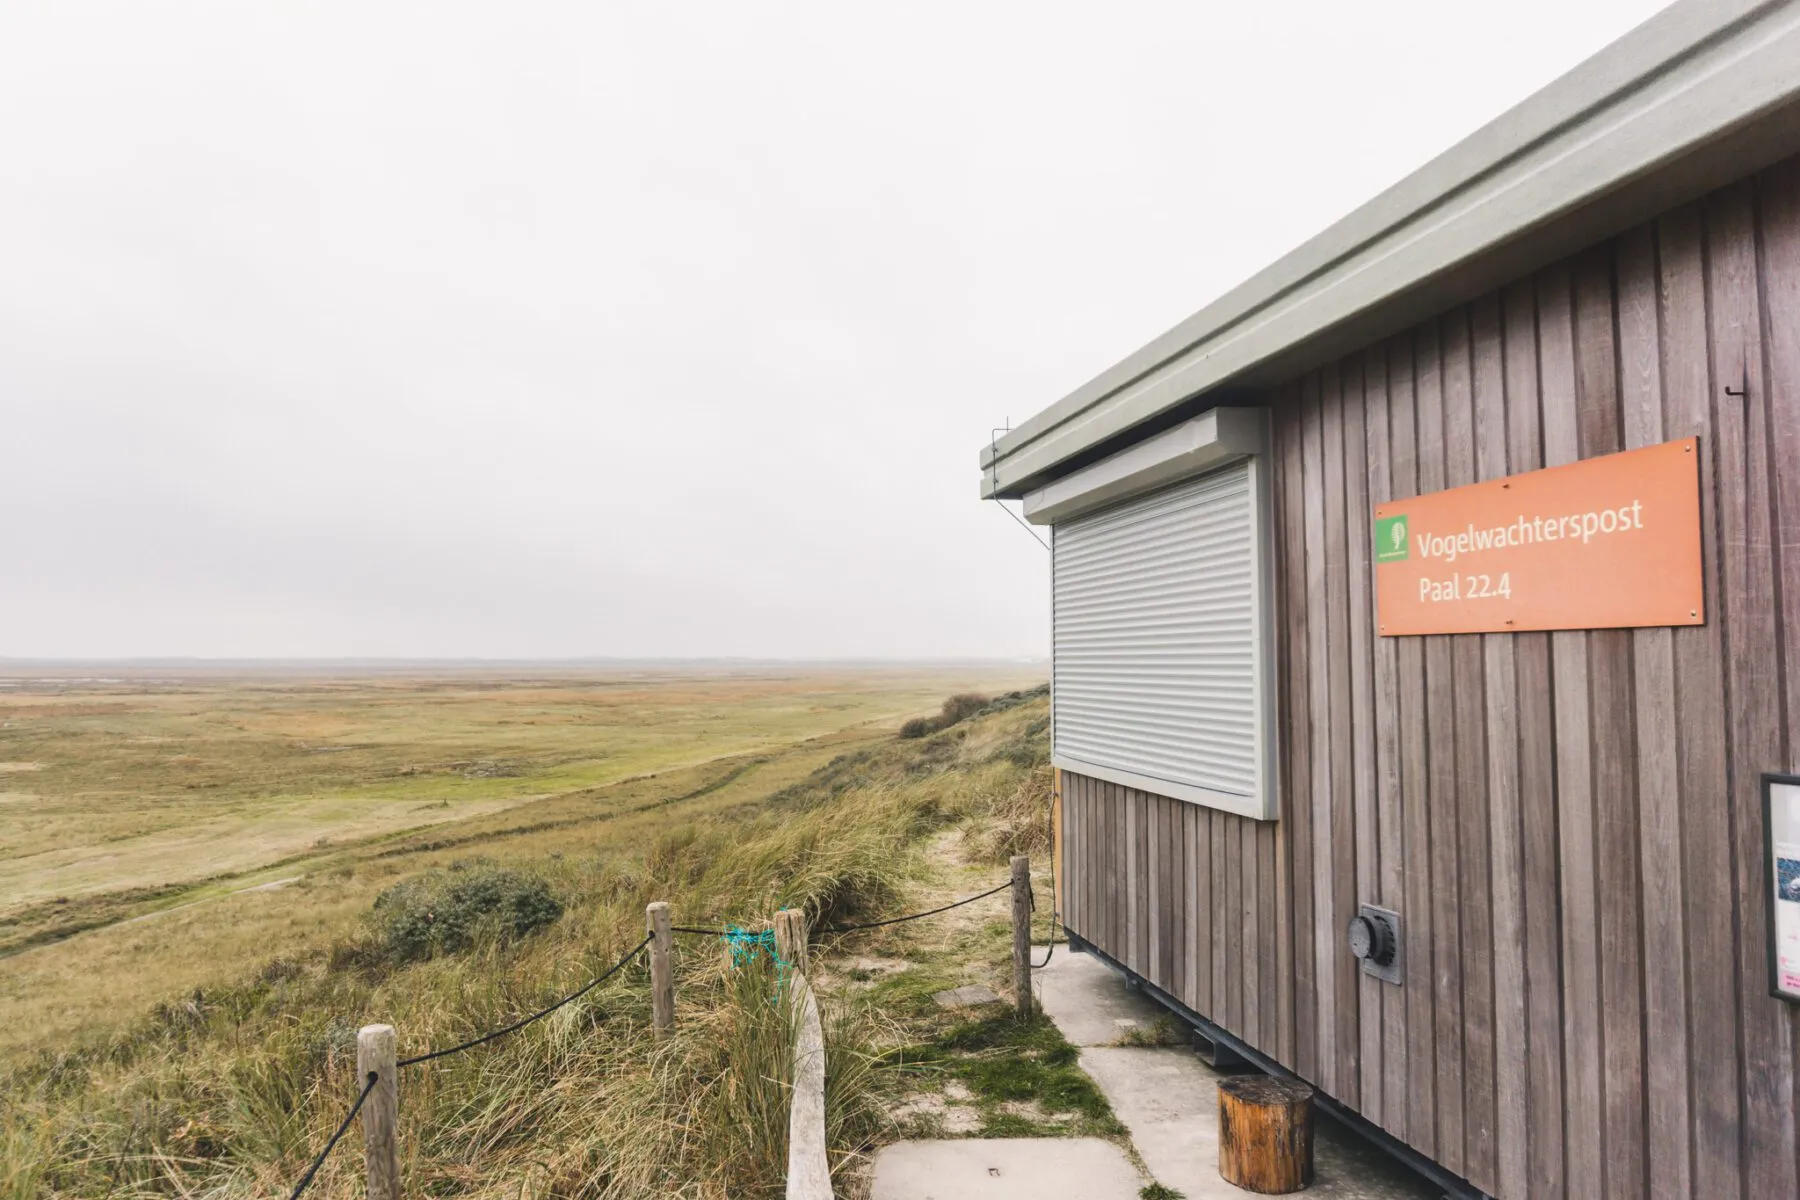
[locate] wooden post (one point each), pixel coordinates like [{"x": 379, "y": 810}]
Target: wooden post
[
  {"x": 809, "y": 1166},
  {"x": 1265, "y": 1134},
  {"x": 792, "y": 938},
  {"x": 375, "y": 1054},
  {"x": 662, "y": 968},
  {"x": 1021, "y": 915}
]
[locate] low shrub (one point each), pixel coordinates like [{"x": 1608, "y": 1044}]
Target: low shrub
[
  {"x": 961, "y": 707},
  {"x": 957, "y": 709},
  {"x": 444, "y": 911}
]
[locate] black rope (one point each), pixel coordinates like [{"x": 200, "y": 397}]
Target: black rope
[
  {"x": 1050, "y": 950},
  {"x": 915, "y": 916},
  {"x": 692, "y": 929},
  {"x": 536, "y": 1016},
  {"x": 306, "y": 1179}
]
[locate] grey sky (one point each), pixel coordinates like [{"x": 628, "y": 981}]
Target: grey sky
[{"x": 632, "y": 329}]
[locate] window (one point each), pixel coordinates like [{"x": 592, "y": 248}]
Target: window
[{"x": 1161, "y": 673}]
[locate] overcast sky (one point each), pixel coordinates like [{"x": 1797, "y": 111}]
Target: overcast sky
[{"x": 633, "y": 328}]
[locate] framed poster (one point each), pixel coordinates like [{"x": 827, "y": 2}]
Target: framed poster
[{"x": 1781, "y": 833}]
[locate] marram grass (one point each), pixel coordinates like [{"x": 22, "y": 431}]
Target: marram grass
[{"x": 228, "y": 1094}]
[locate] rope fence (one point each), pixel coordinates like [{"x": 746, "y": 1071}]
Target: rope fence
[
  {"x": 306, "y": 1179},
  {"x": 789, "y": 941},
  {"x": 374, "y": 1077},
  {"x": 539, "y": 1015}
]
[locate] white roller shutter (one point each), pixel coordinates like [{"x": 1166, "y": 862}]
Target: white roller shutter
[{"x": 1158, "y": 668}]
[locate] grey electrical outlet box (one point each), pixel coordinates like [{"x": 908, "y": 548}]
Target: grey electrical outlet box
[{"x": 1374, "y": 937}]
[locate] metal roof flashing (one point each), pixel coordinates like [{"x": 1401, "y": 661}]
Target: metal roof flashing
[
  {"x": 1703, "y": 93},
  {"x": 1211, "y": 440}
]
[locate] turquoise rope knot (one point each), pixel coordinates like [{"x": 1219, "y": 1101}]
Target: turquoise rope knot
[{"x": 746, "y": 945}]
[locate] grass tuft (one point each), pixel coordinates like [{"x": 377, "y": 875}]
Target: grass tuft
[{"x": 1007, "y": 1062}]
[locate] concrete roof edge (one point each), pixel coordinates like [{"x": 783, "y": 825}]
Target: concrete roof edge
[{"x": 1464, "y": 201}]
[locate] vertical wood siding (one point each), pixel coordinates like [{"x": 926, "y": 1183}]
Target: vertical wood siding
[{"x": 1569, "y": 823}]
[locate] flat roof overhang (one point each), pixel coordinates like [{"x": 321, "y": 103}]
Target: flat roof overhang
[{"x": 1705, "y": 92}]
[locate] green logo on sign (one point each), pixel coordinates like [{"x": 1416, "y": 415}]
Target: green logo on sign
[{"x": 1390, "y": 539}]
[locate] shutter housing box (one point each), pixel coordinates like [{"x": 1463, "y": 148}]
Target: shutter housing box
[{"x": 1162, "y": 671}]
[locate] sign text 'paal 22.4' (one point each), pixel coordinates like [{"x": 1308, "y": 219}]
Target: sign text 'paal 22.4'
[{"x": 1606, "y": 543}]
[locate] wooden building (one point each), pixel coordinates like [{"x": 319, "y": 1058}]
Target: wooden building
[{"x": 1566, "y": 823}]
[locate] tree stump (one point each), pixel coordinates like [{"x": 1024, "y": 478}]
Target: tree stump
[{"x": 1265, "y": 1134}]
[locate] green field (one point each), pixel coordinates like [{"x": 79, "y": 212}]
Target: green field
[{"x": 171, "y": 831}]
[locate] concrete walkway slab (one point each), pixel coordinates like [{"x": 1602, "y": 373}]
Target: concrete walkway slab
[
  {"x": 1169, "y": 1100},
  {"x": 1004, "y": 1169},
  {"x": 1089, "y": 1001}
]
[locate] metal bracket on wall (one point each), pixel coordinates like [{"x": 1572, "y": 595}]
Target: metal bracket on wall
[{"x": 1742, "y": 390}]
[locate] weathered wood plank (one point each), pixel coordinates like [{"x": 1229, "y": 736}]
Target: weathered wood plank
[
  {"x": 1090, "y": 862},
  {"x": 1089, "y": 858},
  {"x": 1181, "y": 892},
  {"x": 1779, "y": 222},
  {"x": 1321, "y": 936},
  {"x": 1364, "y": 881},
  {"x": 1536, "y": 782},
  {"x": 1415, "y": 776},
  {"x": 809, "y": 1161},
  {"x": 1200, "y": 910},
  {"x": 1144, "y": 885},
  {"x": 1286, "y": 399},
  {"x": 1506, "y": 937},
  {"x": 1574, "y": 776},
  {"x": 1080, "y": 846},
  {"x": 1753, "y": 684},
  {"x": 1668, "y": 1161},
  {"x": 1167, "y": 870},
  {"x": 1072, "y": 850},
  {"x": 1103, "y": 812},
  {"x": 1346, "y": 1083},
  {"x": 1475, "y": 963},
  {"x": 1233, "y": 839},
  {"x": 1297, "y": 802},
  {"x": 1703, "y": 785},
  {"x": 1162, "y": 911},
  {"x": 1118, "y": 873},
  {"x": 1149, "y": 862},
  {"x": 1222, "y": 981},
  {"x": 1180, "y": 870},
  {"x": 1243, "y": 844},
  {"x": 1390, "y": 866},
  {"x": 1440, "y": 728},
  {"x": 1249, "y": 965},
  {"x": 1113, "y": 832},
  {"x": 1136, "y": 927},
  {"x": 1161, "y": 919},
  {"x": 1266, "y": 945},
  {"x": 1080, "y": 842},
  {"x": 1615, "y": 776}
]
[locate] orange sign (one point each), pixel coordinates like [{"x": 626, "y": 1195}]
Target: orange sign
[{"x": 1608, "y": 543}]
